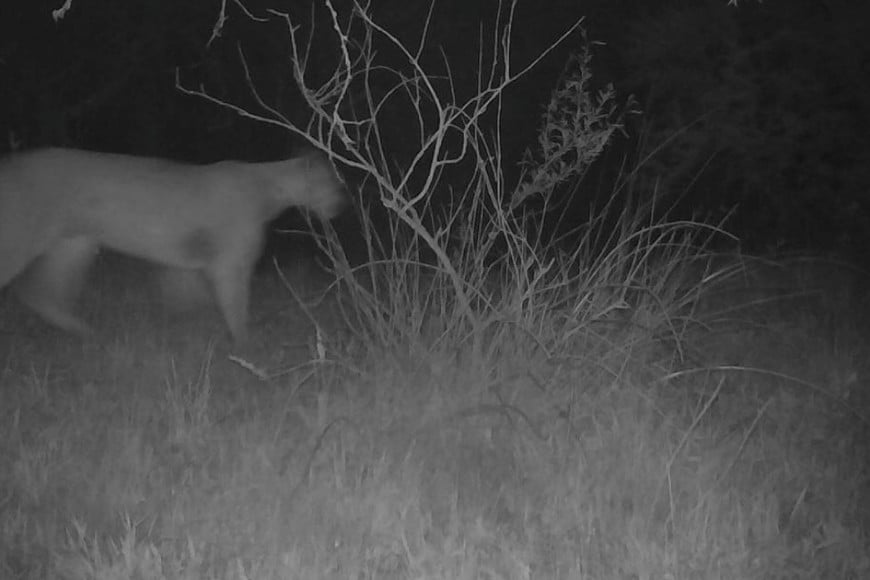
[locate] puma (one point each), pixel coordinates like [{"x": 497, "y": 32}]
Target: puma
[{"x": 58, "y": 207}]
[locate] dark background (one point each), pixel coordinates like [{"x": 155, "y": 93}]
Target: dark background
[{"x": 763, "y": 107}]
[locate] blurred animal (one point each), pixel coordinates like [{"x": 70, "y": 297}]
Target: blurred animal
[{"x": 58, "y": 207}]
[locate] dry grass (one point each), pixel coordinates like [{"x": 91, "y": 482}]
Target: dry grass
[{"x": 132, "y": 456}]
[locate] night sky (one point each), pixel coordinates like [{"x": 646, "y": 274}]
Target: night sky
[{"x": 763, "y": 108}]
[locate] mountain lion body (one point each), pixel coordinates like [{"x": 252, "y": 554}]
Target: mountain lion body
[{"x": 59, "y": 206}]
